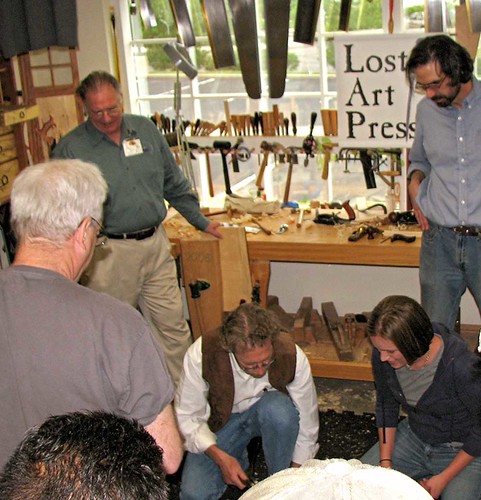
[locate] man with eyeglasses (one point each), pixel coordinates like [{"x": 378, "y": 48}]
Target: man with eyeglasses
[
  {"x": 445, "y": 175},
  {"x": 244, "y": 380},
  {"x": 64, "y": 347},
  {"x": 136, "y": 266}
]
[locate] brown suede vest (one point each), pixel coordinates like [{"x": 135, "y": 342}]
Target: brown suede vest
[{"x": 217, "y": 372}]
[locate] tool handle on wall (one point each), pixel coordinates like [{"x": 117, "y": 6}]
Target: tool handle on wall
[
  {"x": 294, "y": 123},
  {"x": 260, "y": 176},
  {"x": 288, "y": 182},
  {"x": 313, "y": 121},
  {"x": 224, "y": 147},
  {"x": 209, "y": 174},
  {"x": 327, "y": 159}
]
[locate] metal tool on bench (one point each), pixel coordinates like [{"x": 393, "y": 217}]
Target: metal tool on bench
[
  {"x": 364, "y": 230},
  {"x": 407, "y": 218},
  {"x": 333, "y": 219},
  {"x": 400, "y": 237},
  {"x": 248, "y": 229}
]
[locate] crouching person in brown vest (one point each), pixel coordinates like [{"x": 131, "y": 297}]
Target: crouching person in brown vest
[{"x": 244, "y": 380}]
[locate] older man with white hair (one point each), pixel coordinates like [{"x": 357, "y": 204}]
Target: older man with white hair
[{"x": 64, "y": 347}]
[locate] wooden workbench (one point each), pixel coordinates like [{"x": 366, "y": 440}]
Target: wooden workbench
[{"x": 313, "y": 243}]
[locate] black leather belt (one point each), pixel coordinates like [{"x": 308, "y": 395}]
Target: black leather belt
[
  {"x": 467, "y": 230},
  {"x": 136, "y": 235}
]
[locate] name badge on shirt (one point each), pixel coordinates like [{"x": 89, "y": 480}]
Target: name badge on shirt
[{"x": 132, "y": 147}]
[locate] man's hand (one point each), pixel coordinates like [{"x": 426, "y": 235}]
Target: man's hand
[
  {"x": 212, "y": 229},
  {"x": 232, "y": 472},
  {"x": 416, "y": 178}
]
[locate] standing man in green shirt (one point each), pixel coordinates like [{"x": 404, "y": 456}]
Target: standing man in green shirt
[{"x": 136, "y": 266}]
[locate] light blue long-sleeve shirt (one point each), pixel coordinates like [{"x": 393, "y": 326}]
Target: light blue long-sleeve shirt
[{"x": 447, "y": 149}]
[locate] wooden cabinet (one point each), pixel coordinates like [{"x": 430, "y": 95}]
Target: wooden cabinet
[{"x": 12, "y": 151}]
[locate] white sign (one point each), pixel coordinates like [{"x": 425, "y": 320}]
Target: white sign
[{"x": 372, "y": 92}]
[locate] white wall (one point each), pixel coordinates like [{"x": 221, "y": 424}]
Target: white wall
[
  {"x": 95, "y": 44},
  {"x": 353, "y": 289}
]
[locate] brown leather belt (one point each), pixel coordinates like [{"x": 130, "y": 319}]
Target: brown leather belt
[
  {"x": 467, "y": 230},
  {"x": 136, "y": 235}
]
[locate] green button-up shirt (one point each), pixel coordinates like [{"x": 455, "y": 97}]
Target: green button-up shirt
[{"x": 138, "y": 184}]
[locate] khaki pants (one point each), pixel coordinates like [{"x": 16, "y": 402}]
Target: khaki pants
[{"x": 143, "y": 273}]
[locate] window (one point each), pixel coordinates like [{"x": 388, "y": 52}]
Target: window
[{"x": 310, "y": 87}]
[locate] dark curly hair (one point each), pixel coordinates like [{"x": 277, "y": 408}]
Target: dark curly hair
[{"x": 453, "y": 59}]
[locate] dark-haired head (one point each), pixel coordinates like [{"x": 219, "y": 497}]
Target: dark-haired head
[
  {"x": 404, "y": 322},
  {"x": 453, "y": 59},
  {"x": 95, "y": 81},
  {"x": 85, "y": 456}
]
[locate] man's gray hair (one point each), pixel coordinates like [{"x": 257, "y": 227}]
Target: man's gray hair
[
  {"x": 95, "y": 81},
  {"x": 50, "y": 200}
]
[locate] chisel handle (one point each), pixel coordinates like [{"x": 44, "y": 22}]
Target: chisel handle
[
  {"x": 327, "y": 159},
  {"x": 209, "y": 175},
  {"x": 260, "y": 176}
]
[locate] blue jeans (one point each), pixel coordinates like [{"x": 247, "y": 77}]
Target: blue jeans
[
  {"x": 274, "y": 418},
  {"x": 419, "y": 460},
  {"x": 450, "y": 263}
]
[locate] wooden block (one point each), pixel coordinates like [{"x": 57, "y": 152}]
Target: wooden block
[
  {"x": 285, "y": 319},
  {"x": 8, "y": 150},
  {"x": 338, "y": 333},
  {"x": 8, "y": 171},
  {"x": 10, "y": 115},
  {"x": 201, "y": 261},
  {"x": 317, "y": 325},
  {"x": 235, "y": 270},
  {"x": 302, "y": 319}
]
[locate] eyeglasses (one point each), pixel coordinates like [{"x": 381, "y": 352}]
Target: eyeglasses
[
  {"x": 113, "y": 111},
  {"x": 256, "y": 366},
  {"x": 101, "y": 237},
  {"x": 424, "y": 87}
]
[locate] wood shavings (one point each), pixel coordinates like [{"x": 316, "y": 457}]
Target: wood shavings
[{"x": 241, "y": 220}]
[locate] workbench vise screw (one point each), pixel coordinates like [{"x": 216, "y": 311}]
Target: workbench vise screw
[{"x": 198, "y": 286}]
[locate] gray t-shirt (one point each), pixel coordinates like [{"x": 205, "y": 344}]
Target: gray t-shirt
[
  {"x": 64, "y": 348},
  {"x": 415, "y": 383}
]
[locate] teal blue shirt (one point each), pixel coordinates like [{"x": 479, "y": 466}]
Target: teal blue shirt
[{"x": 138, "y": 184}]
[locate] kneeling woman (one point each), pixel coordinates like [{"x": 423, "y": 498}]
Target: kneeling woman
[{"x": 431, "y": 374}]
